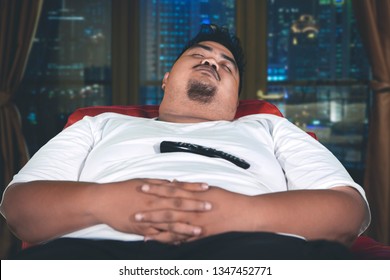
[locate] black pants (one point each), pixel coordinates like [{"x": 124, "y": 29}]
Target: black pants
[{"x": 232, "y": 245}]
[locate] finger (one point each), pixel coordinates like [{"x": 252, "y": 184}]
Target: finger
[
  {"x": 179, "y": 228},
  {"x": 164, "y": 216},
  {"x": 168, "y": 237},
  {"x": 183, "y": 204},
  {"x": 180, "y": 203},
  {"x": 174, "y": 189},
  {"x": 190, "y": 186},
  {"x": 156, "y": 181}
]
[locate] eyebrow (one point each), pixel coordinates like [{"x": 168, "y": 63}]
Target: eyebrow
[{"x": 208, "y": 48}]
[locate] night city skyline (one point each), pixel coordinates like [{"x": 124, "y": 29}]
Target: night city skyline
[{"x": 70, "y": 62}]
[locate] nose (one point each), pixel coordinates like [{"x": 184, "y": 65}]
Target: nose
[{"x": 211, "y": 62}]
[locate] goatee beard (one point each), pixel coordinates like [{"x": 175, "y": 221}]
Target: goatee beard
[{"x": 200, "y": 92}]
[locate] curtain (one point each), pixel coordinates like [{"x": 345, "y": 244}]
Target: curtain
[
  {"x": 18, "y": 22},
  {"x": 373, "y": 19}
]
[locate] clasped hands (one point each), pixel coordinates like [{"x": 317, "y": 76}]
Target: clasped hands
[
  {"x": 173, "y": 211},
  {"x": 169, "y": 212},
  {"x": 165, "y": 211}
]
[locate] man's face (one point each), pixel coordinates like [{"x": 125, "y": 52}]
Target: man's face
[{"x": 202, "y": 85}]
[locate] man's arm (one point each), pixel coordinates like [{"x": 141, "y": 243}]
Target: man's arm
[
  {"x": 41, "y": 210},
  {"x": 334, "y": 214}
]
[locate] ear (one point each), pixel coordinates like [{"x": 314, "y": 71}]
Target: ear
[{"x": 164, "y": 81}]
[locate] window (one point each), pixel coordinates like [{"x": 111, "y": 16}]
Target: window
[
  {"x": 318, "y": 73},
  {"x": 69, "y": 66}
]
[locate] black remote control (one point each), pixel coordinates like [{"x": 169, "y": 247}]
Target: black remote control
[{"x": 171, "y": 146}]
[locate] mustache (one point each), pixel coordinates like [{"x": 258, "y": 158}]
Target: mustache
[{"x": 209, "y": 69}]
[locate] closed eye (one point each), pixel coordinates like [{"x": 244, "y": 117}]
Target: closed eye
[
  {"x": 227, "y": 68},
  {"x": 197, "y": 55}
]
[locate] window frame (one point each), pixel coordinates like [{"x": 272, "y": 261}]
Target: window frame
[{"x": 125, "y": 52}]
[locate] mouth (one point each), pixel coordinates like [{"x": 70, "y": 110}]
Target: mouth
[{"x": 208, "y": 69}]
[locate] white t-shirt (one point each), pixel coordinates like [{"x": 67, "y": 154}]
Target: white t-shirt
[{"x": 113, "y": 147}]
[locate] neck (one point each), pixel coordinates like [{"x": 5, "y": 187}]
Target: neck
[{"x": 181, "y": 119}]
